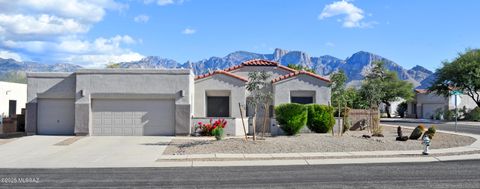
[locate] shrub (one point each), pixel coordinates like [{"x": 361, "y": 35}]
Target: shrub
[
  {"x": 449, "y": 115},
  {"x": 320, "y": 118},
  {"x": 401, "y": 109},
  {"x": 206, "y": 129},
  {"x": 417, "y": 132},
  {"x": 291, "y": 117},
  {"x": 473, "y": 115},
  {"x": 438, "y": 114},
  {"x": 431, "y": 132}
]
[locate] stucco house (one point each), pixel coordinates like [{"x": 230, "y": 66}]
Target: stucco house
[
  {"x": 426, "y": 104},
  {"x": 157, "y": 102},
  {"x": 13, "y": 97}
]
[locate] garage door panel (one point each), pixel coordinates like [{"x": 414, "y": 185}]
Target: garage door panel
[
  {"x": 56, "y": 116},
  {"x": 429, "y": 110},
  {"x": 125, "y": 117}
]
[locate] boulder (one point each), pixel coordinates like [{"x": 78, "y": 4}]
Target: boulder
[
  {"x": 399, "y": 131},
  {"x": 402, "y": 138}
]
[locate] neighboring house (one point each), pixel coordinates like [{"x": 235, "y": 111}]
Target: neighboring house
[
  {"x": 425, "y": 104},
  {"x": 13, "y": 97},
  {"x": 156, "y": 102}
]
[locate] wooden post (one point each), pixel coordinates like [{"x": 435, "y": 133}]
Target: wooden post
[
  {"x": 254, "y": 123},
  {"x": 243, "y": 122},
  {"x": 265, "y": 115}
]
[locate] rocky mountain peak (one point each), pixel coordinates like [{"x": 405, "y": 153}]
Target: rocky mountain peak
[{"x": 419, "y": 68}]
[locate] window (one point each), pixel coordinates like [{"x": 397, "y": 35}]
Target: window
[
  {"x": 218, "y": 106},
  {"x": 302, "y": 97},
  {"x": 12, "y": 108},
  {"x": 301, "y": 100}
]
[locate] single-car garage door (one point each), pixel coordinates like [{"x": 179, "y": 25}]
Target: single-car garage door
[
  {"x": 428, "y": 110},
  {"x": 56, "y": 116},
  {"x": 127, "y": 117}
]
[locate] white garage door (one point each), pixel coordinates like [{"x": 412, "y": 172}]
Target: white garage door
[
  {"x": 122, "y": 117},
  {"x": 56, "y": 116},
  {"x": 428, "y": 110}
]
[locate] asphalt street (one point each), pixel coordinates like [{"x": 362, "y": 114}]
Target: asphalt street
[
  {"x": 442, "y": 126},
  {"x": 455, "y": 174}
]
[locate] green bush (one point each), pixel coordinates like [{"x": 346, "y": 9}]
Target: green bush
[
  {"x": 320, "y": 118},
  {"x": 449, "y": 115},
  {"x": 431, "y": 132},
  {"x": 291, "y": 117},
  {"x": 417, "y": 132},
  {"x": 473, "y": 115},
  {"x": 401, "y": 109}
]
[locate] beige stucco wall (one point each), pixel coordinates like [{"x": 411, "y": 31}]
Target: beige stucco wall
[
  {"x": 221, "y": 83},
  {"x": 283, "y": 89}
]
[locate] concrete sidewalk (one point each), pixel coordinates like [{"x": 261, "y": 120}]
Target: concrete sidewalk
[{"x": 411, "y": 120}]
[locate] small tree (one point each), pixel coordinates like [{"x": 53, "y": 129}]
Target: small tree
[
  {"x": 261, "y": 94},
  {"x": 301, "y": 68},
  {"x": 462, "y": 74},
  {"x": 372, "y": 91},
  {"x": 338, "y": 94},
  {"x": 384, "y": 86},
  {"x": 395, "y": 89}
]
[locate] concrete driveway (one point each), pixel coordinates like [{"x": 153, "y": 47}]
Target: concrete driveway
[{"x": 105, "y": 151}]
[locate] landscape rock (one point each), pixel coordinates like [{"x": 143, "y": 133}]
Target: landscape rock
[{"x": 366, "y": 136}]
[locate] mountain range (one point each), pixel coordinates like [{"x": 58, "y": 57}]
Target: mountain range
[{"x": 355, "y": 66}]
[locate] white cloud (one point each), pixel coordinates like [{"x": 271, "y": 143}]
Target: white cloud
[
  {"x": 7, "y": 54},
  {"x": 164, "y": 2},
  {"x": 189, "y": 31},
  {"x": 142, "y": 18},
  {"x": 330, "y": 44},
  {"x": 18, "y": 24},
  {"x": 54, "y": 30},
  {"x": 353, "y": 15},
  {"x": 100, "y": 60}
]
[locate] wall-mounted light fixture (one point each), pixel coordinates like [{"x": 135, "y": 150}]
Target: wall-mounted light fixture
[
  {"x": 182, "y": 93},
  {"x": 82, "y": 94}
]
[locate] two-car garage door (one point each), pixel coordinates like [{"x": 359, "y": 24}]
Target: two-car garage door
[
  {"x": 127, "y": 117},
  {"x": 119, "y": 117}
]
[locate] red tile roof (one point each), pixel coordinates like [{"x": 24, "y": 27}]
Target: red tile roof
[
  {"x": 220, "y": 72},
  {"x": 296, "y": 73},
  {"x": 421, "y": 91},
  {"x": 258, "y": 62}
]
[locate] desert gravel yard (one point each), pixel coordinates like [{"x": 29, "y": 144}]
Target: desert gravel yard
[{"x": 309, "y": 142}]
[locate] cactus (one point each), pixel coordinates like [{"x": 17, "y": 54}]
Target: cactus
[{"x": 417, "y": 132}]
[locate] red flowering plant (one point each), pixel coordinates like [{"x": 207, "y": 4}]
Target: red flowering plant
[{"x": 205, "y": 129}]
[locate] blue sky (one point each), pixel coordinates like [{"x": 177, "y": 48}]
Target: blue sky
[{"x": 93, "y": 33}]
